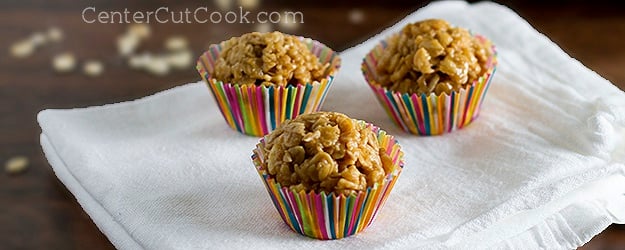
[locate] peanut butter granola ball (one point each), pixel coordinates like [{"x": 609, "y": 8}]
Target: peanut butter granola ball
[
  {"x": 268, "y": 59},
  {"x": 325, "y": 151},
  {"x": 432, "y": 57}
]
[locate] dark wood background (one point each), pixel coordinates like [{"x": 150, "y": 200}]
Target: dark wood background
[{"x": 36, "y": 210}]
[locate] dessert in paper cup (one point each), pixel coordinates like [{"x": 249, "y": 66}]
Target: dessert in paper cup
[
  {"x": 328, "y": 175},
  {"x": 431, "y": 78},
  {"x": 259, "y": 80}
]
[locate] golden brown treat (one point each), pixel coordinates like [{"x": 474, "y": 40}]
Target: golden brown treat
[
  {"x": 325, "y": 151},
  {"x": 432, "y": 57},
  {"x": 268, "y": 59}
]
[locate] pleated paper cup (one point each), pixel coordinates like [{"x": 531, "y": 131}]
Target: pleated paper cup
[
  {"x": 429, "y": 114},
  {"x": 330, "y": 216},
  {"x": 258, "y": 110}
]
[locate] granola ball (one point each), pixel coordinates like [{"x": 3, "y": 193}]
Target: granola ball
[
  {"x": 430, "y": 56},
  {"x": 268, "y": 59},
  {"x": 325, "y": 151}
]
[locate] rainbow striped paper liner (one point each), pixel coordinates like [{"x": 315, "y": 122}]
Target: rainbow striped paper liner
[
  {"x": 429, "y": 114},
  {"x": 328, "y": 216},
  {"x": 258, "y": 110}
]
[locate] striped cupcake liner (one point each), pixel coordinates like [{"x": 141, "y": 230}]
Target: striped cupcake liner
[
  {"x": 429, "y": 114},
  {"x": 258, "y": 110},
  {"x": 328, "y": 216}
]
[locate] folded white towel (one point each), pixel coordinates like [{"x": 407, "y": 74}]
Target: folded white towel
[{"x": 542, "y": 166}]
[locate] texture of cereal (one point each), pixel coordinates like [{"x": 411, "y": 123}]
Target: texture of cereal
[
  {"x": 268, "y": 59},
  {"x": 432, "y": 57},
  {"x": 325, "y": 151}
]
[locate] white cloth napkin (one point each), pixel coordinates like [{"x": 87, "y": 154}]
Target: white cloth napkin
[{"x": 541, "y": 168}]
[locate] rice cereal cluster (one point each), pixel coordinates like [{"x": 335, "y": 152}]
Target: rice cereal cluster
[
  {"x": 328, "y": 175},
  {"x": 259, "y": 80},
  {"x": 268, "y": 59},
  {"x": 431, "y": 78},
  {"x": 325, "y": 152},
  {"x": 432, "y": 57}
]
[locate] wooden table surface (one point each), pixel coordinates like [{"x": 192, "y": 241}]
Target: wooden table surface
[{"x": 37, "y": 211}]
